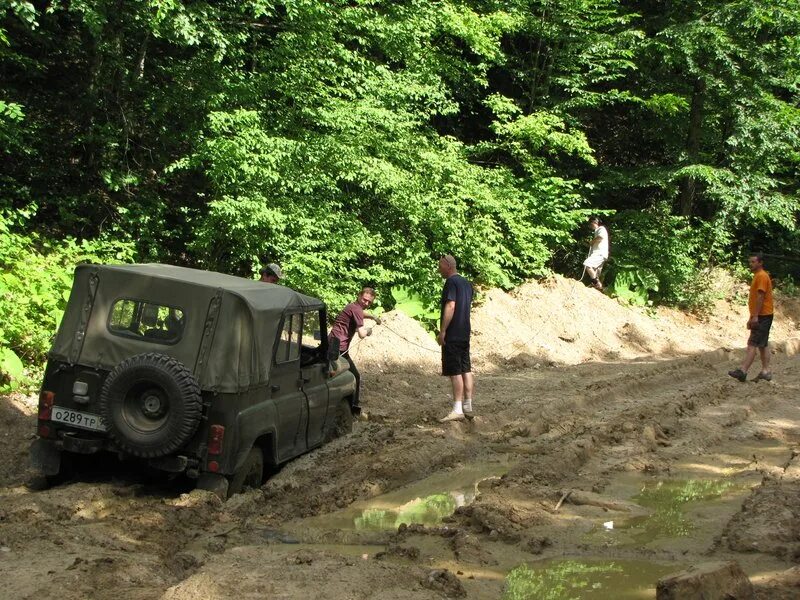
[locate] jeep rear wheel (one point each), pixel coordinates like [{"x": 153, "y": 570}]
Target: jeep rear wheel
[
  {"x": 151, "y": 405},
  {"x": 251, "y": 473}
]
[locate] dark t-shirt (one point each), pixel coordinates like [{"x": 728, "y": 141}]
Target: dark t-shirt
[
  {"x": 459, "y": 289},
  {"x": 346, "y": 324}
]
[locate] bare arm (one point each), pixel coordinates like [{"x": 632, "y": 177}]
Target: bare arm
[
  {"x": 373, "y": 317},
  {"x": 447, "y": 317},
  {"x": 364, "y": 332}
]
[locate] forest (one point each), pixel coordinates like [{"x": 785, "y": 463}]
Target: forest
[{"x": 355, "y": 141}]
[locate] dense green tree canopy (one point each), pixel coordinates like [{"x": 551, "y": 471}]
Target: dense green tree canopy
[{"x": 355, "y": 140}]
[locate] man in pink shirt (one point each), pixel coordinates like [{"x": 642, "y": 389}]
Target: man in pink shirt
[{"x": 347, "y": 324}]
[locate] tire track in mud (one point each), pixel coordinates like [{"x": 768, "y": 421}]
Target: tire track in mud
[
  {"x": 551, "y": 424},
  {"x": 652, "y": 432}
]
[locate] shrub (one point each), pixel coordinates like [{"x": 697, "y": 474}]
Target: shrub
[{"x": 35, "y": 282}]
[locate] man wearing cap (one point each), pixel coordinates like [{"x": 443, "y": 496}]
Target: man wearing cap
[
  {"x": 454, "y": 338},
  {"x": 271, "y": 273}
]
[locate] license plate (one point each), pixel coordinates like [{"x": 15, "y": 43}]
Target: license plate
[{"x": 77, "y": 418}]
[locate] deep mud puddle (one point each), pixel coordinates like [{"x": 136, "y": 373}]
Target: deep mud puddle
[
  {"x": 595, "y": 579},
  {"x": 426, "y": 502},
  {"x": 688, "y": 507}
]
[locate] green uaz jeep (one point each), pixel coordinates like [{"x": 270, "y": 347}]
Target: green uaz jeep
[{"x": 192, "y": 372}]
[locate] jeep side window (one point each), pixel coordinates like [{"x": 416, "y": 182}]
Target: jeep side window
[
  {"x": 289, "y": 342},
  {"x": 312, "y": 338},
  {"x": 145, "y": 320},
  {"x": 311, "y": 329}
]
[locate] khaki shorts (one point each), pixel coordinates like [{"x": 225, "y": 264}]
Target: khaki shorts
[{"x": 595, "y": 261}]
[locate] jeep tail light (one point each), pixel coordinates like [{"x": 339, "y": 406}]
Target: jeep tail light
[
  {"x": 43, "y": 430},
  {"x": 215, "y": 437},
  {"x": 46, "y": 405}
]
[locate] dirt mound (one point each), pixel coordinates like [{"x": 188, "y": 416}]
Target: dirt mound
[
  {"x": 399, "y": 341},
  {"x": 561, "y": 321}
]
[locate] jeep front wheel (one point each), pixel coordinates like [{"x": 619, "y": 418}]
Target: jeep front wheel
[
  {"x": 151, "y": 405},
  {"x": 343, "y": 423}
]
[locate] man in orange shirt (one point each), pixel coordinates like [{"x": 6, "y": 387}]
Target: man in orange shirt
[{"x": 759, "y": 323}]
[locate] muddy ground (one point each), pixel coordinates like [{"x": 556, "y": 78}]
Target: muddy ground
[{"x": 606, "y": 454}]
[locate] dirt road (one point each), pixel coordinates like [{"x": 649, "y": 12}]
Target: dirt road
[{"x": 586, "y": 480}]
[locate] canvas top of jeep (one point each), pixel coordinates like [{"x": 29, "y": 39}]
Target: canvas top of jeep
[{"x": 118, "y": 311}]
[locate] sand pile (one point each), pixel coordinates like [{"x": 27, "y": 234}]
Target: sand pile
[
  {"x": 399, "y": 342},
  {"x": 561, "y": 321}
]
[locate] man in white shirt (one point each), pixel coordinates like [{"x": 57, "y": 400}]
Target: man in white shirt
[{"x": 598, "y": 253}]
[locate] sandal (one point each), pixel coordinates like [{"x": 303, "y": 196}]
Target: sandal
[{"x": 764, "y": 377}]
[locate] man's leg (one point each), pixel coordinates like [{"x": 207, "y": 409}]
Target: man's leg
[
  {"x": 765, "y": 356},
  {"x": 594, "y": 274},
  {"x": 469, "y": 385},
  {"x": 749, "y": 357},
  {"x": 458, "y": 394},
  {"x": 354, "y": 371}
]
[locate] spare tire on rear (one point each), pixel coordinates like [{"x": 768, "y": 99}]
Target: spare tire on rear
[{"x": 151, "y": 405}]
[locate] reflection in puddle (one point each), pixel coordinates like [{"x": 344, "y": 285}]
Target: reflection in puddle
[
  {"x": 425, "y": 511},
  {"x": 426, "y": 502},
  {"x": 669, "y": 501},
  {"x": 578, "y": 579}
]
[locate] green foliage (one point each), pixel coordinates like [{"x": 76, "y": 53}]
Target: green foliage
[
  {"x": 664, "y": 257},
  {"x": 12, "y": 371},
  {"x": 354, "y": 142},
  {"x": 415, "y": 307},
  {"x": 35, "y": 282},
  {"x": 633, "y": 284}
]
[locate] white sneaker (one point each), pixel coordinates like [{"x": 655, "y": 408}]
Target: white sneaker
[{"x": 453, "y": 416}]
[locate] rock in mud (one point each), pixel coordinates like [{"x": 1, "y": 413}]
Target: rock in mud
[
  {"x": 444, "y": 582},
  {"x": 707, "y": 581},
  {"x": 398, "y": 551},
  {"x": 467, "y": 548},
  {"x": 536, "y": 545}
]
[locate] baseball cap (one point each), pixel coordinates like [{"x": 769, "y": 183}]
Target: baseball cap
[{"x": 273, "y": 269}]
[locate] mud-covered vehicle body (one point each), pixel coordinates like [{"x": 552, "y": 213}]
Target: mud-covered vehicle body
[{"x": 191, "y": 372}]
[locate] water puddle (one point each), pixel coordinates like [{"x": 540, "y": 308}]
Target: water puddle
[
  {"x": 691, "y": 505},
  {"x": 576, "y": 579},
  {"x": 671, "y": 502},
  {"x": 426, "y": 502}
]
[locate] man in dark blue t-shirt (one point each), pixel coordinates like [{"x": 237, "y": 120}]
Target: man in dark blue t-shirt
[{"x": 454, "y": 338}]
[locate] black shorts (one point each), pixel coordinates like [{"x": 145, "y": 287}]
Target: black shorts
[
  {"x": 455, "y": 359},
  {"x": 759, "y": 336}
]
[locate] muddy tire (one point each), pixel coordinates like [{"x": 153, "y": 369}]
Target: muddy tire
[
  {"x": 251, "y": 473},
  {"x": 343, "y": 423},
  {"x": 151, "y": 405}
]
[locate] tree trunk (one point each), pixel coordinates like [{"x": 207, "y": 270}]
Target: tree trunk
[{"x": 689, "y": 185}]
